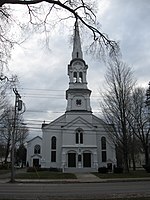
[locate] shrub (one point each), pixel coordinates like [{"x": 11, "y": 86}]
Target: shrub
[
  {"x": 118, "y": 170},
  {"x": 147, "y": 168},
  {"x": 103, "y": 170},
  {"x": 5, "y": 166}
]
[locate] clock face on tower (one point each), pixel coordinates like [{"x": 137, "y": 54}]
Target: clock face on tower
[{"x": 78, "y": 102}]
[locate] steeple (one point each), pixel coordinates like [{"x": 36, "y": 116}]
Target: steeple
[
  {"x": 78, "y": 94},
  {"x": 77, "y": 51}
]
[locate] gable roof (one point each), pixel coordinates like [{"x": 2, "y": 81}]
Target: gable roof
[
  {"x": 34, "y": 139},
  {"x": 99, "y": 120},
  {"x": 60, "y": 119},
  {"x": 78, "y": 120}
]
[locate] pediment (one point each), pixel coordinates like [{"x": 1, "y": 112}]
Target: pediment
[{"x": 79, "y": 122}]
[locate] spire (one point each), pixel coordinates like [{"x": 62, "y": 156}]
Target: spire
[{"x": 77, "y": 51}]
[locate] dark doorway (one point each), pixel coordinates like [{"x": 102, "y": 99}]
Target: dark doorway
[
  {"x": 71, "y": 159},
  {"x": 36, "y": 162},
  {"x": 86, "y": 159}
]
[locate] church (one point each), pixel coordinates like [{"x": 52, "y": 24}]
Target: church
[{"x": 77, "y": 140}]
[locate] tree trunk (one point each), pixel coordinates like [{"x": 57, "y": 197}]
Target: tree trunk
[
  {"x": 126, "y": 155},
  {"x": 126, "y": 165},
  {"x": 133, "y": 153},
  {"x": 133, "y": 160},
  {"x": 7, "y": 151},
  {"x": 147, "y": 162}
]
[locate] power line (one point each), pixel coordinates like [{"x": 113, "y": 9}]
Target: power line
[
  {"x": 42, "y": 89},
  {"x": 67, "y": 131},
  {"x": 96, "y": 94}
]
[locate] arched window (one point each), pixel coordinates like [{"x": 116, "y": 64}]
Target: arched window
[
  {"x": 79, "y": 136},
  {"x": 37, "y": 149},
  {"x": 103, "y": 143},
  {"x": 53, "y": 142},
  {"x": 53, "y": 149},
  {"x": 80, "y": 77},
  {"x": 75, "y": 77}
]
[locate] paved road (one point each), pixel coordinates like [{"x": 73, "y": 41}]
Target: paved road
[{"x": 73, "y": 190}]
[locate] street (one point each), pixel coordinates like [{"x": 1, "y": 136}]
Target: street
[{"x": 74, "y": 190}]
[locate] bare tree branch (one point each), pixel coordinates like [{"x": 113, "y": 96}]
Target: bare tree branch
[{"x": 80, "y": 10}]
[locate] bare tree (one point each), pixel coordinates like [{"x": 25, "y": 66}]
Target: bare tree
[
  {"x": 41, "y": 14},
  {"x": 21, "y": 155},
  {"x": 21, "y": 132},
  {"x": 139, "y": 121},
  {"x": 116, "y": 105},
  {"x": 5, "y": 131}
]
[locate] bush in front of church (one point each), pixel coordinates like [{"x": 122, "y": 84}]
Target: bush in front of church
[
  {"x": 147, "y": 168},
  {"x": 118, "y": 170},
  {"x": 103, "y": 170}
]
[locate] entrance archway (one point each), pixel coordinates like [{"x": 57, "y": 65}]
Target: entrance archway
[
  {"x": 35, "y": 162},
  {"x": 86, "y": 159},
  {"x": 71, "y": 159}
]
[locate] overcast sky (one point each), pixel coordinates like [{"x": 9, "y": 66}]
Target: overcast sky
[{"x": 43, "y": 73}]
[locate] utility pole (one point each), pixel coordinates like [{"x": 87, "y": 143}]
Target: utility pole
[{"x": 18, "y": 106}]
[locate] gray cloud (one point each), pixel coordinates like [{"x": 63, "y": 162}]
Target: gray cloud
[
  {"x": 128, "y": 22},
  {"x": 37, "y": 68}
]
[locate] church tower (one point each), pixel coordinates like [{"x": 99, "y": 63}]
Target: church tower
[{"x": 78, "y": 95}]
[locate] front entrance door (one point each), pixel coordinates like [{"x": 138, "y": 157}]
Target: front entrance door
[
  {"x": 36, "y": 162},
  {"x": 71, "y": 159},
  {"x": 86, "y": 159}
]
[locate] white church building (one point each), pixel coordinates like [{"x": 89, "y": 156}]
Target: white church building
[{"x": 77, "y": 140}]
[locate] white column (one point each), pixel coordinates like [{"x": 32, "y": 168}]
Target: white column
[
  {"x": 78, "y": 77},
  {"x": 63, "y": 163},
  {"x": 95, "y": 162}
]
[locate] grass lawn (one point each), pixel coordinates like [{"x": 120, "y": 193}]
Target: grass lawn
[
  {"x": 131, "y": 174},
  {"x": 45, "y": 175}
]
